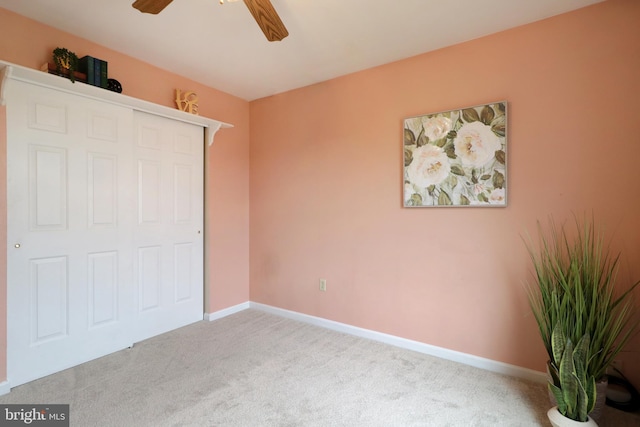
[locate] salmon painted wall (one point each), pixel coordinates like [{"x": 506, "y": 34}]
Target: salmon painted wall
[
  {"x": 326, "y": 183},
  {"x": 28, "y": 43}
]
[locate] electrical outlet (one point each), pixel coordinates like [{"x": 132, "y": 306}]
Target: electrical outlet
[{"x": 323, "y": 285}]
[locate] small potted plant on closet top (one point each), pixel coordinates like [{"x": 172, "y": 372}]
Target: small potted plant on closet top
[
  {"x": 573, "y": 387},
  {"x": 66, "y": 62}
]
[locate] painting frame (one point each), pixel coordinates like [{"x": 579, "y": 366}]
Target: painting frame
[{"x": 456, "y": 158}]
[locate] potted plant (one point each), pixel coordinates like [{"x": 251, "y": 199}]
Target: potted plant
[
  {"x": 66, "y": 62},
  {"x": 573, "y": 387},
  {"x": 575, "y": 288}
]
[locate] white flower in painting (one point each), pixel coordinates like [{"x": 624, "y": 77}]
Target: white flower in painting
[
  {"x": 497, "y": 196},
  {"x": 436, "y": 127},
  {"x": 476, "y": 144},
  {"x": 430, "y": 166}
]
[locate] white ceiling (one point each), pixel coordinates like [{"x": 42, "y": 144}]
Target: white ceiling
[{"x": 221, "y": 46}]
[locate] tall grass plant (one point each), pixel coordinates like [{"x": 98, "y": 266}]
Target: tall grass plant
[{"x": 575, "y": 287}]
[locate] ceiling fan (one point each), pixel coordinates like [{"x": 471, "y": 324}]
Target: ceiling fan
[{"x": 262, "y": 10}]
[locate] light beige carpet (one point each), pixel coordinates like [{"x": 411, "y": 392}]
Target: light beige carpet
[{"x": 258, "y": 369}]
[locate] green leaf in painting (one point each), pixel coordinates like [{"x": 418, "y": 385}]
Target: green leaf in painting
[
  {"x": 458, "y": 125},
  {"x": 500, "y": 107},
  {"x": 464, "y": 201},
  {"x": 431, "y": 189},
  {"x": 441, "y": 142},
  {"x": 444, "y": 199},
  {"x": 500, "y": 156},
  {"x": 453, "y": 181},
  {"x": 470, "y": 115},
  {"x": 485, "y": 177},
  {"x": 483, "y": 198},
  {"x": 416, "y": 200},
  {"x": 498, "y": 180},
  {"x": 409, "y": 137},
  {"x": 452, "y": 134},
  {"x": 422, "y": 139},
  {"x": 486, "y": 115},
  {"x": 408, "y": 157},
  {"x": 455, "y": 169},
  {"x": 499, "y": 126},
  {"x": 474, "y": 177},
  {"x": 450, "y": 151}
]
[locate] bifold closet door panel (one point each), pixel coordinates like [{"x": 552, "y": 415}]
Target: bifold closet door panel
[
  {"x": 168, "y": 233},
  {"x": 70, "y": 227}
]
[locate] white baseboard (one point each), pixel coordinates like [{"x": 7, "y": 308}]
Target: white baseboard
[
  {"x": 226, "y": 312},
  {"x": 443, "y": 353},
  {"x": 5, "y": 388},
  {"x": 432, "y": 350}
]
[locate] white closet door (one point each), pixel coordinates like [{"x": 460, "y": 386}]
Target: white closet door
[
  {"x": 168, "y": 237},
  {"x": 105, "y": 221},
  {"x": 69, "y": 267}
]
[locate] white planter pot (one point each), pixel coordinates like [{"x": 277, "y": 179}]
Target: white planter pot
[{"x": 559, "y": 420}]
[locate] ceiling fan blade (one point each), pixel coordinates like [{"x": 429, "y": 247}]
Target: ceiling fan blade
[
  {"x": 267, "y": 18},
  {"x": 151, "y": 6}
]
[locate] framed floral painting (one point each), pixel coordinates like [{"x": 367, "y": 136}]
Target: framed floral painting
[{"x": 457, "y": 157}]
